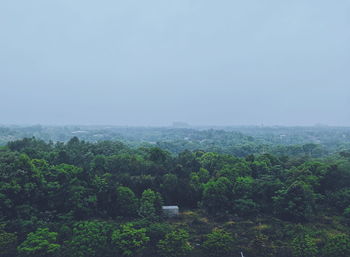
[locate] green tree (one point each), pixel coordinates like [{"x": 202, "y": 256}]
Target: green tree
[
  {"x": 175, "y": 244},
  {"x": 129, "y": 241},
  {"x": 157, "y": 231},
  {"x": 262, "y": 246},
  {"x": 219, "y": 243},
  {"x": 158, "y": 155},
  {"x": 346, "y": 215},
  {"x": 41, "y": 243},
  {"x": 150, "y": 205},
  {"x": 217, "y": 196},
  {"x": 211, "y": 161},
  {"x": 337, "y": 245},
  {"x": 245, "y": 207},
  {"x": 340, "y": 199},
  {"x": 127, "y": 202},
  {"x": 308, "y": 148},
  {"x": 8, "y": 243},
  {"x": 170, "y": 188},
  {"x": 304, "y": 246},
  {"x": 295, "y": 203},
  {"x": 243, "y": 187},
  {"x": 90, "y": 239}
]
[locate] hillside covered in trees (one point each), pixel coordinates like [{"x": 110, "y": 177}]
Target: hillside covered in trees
[{"x": 263, "y": 193}]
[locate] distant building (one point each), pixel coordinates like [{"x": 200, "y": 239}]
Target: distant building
[
  {"x": 170, "y": 211},
  {"x": 180, "y": 124}
]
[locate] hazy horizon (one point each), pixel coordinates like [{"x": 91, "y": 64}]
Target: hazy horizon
[
  {"x": 150, "y": 63},
  {"x": 170, "y": 124}
]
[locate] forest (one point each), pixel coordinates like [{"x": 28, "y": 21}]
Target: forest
[{"x": 241, "y": 191}]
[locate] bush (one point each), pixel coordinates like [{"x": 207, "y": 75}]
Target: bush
[
  {"x": 129, "y": 241},
  {"x": 41, "y": 243},
  {"x": 337, "y": 245},
  {"x": 175, "y": 244},
  {"x": 219, "y": 243}
]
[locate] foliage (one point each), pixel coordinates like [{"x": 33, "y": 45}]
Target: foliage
[
  {"x": 42, "y": 243},
  {"x": 150, "y": 205},
  {"x": 217, "y": 195},
  {"x": 219, "y": 243},
  {"x": 304, "y": 246},
  {"x": 295, "y": 203},
  {"x": 8, "y": 243},
  {"x": 175, "y": 244},
  {"x": 126, "y": 202},
  {"x": 337, "y": 245},
  {"x": 129, "y": 241},
  {"x": 84, "y": 188},
  {"x": 89, "y": 239}
]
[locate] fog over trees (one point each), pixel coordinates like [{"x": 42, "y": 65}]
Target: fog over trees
[{"x": 187, "y": 128}]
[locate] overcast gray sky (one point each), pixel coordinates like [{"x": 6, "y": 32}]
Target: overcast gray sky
[{"x": 153, "y": 62}]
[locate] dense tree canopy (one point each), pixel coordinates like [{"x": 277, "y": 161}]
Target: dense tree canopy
[{"x": 104, "y": 199}]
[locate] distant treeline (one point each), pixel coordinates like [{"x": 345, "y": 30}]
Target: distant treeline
[{"x": 238, "y": 141}]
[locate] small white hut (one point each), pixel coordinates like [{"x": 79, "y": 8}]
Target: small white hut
[{"x": 170, "y": 211}]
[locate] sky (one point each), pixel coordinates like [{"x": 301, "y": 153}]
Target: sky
[{"x": 150, "y": 63}]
